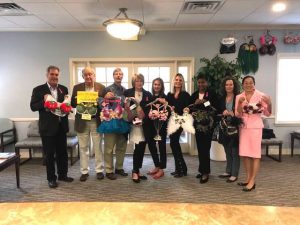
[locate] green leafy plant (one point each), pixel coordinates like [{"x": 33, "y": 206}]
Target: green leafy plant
[{"x": 215, "y": 70}]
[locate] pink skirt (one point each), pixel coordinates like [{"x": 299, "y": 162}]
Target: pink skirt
[{"x": 250, "y": 142}]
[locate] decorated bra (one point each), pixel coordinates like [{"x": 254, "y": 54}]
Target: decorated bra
[
  {"x": 253, "y": 108},
  {"x": 185, "y": 122},
  {"x": 159, "y": 114},
  {"x": 57, "y": 108},
  {"x": 112, "y": 116},
  {"x": 203, "y": 118}
]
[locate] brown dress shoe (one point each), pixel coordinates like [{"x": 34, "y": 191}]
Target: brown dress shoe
[
  {"x": 121, "y": 172},
  {"x": 83, "y": 177},
  {"x": 111, "y": 176},
  {"x": 100, "y": 176}
]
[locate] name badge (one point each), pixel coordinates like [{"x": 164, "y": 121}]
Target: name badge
[
  {"x": 86, "y": 116},
  {"x": 132, "y": 107},
  {"x": 206, "y": 103}
]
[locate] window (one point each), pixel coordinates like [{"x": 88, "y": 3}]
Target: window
[{"x": 288, "y": 79}]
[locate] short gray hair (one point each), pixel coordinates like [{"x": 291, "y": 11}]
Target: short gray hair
[{"x": 88, "y": 69}]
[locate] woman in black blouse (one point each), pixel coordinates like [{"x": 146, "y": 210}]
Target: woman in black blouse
[
  {"x": 142, "y": 97},
  {"x": 179, "y": 99},
  {"x": 160, "y": 161},
  {"x": 205, "y": 104}
]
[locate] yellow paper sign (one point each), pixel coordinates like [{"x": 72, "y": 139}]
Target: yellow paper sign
[
  {"x": 86, "y": 96},
  {"x": 86, "y": 116}
]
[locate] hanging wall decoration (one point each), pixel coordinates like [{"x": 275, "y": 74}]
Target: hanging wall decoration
[
  {"x": 227, "y": 45},
  {"x": 267, "y": 42},
  {"x": 291, "y": 38},
  {"x": 248, "y": 57}
]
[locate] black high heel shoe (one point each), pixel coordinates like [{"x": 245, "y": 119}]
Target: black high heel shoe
[
  {"x": 180, "y": 174},
  {"x": 249, "y": 189},
  {"x": 204, "y": 179},
  {"x": 242, "y": 184},
  {"x": 135, "y": 180},
  {"x": 173, "y": 173},
  {"x": 142, "y": 177}
]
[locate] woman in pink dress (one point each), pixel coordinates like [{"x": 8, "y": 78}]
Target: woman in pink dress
[{"x": 251, "y": 105}]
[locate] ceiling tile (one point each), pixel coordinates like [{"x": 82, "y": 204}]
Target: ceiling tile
[
  {"x": 193, "y": 19},
  {"x": 6, "y": 24},
  {"x": 155, "y": 7},
  {"x": 62, "y": 21},
  {"x": 43, "y": 8},
  {"x": 291, "y": 19},
  {"x": 160, "y": 19},
  {"x": 91, "y": 21},
  {"x": 28, "y": 21},
  {"x": 83, "y": 8}
]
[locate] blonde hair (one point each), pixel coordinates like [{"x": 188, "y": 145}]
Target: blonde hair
[
  {"x": 137, "y": 77},
  {"x": 173, "y": 81}
]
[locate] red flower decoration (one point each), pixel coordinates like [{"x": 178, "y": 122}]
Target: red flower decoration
[
  {"x": 50, "y": 105},
  {"x": 65, "y": 107}
]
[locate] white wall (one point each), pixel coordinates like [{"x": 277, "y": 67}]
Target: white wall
[{"x": 24, "y": 57}]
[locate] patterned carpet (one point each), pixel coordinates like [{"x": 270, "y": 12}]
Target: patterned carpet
[{"x": 278, "y": 184}]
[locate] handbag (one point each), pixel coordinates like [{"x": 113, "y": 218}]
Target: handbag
[
  {"x": 227, "y": 128},
  {"x": 227, "y": 45},
  {"x": 268, "y": 133}
]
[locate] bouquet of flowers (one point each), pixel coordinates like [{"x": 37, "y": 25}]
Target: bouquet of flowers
[
  {"x": 159, "y": 117},
  {"x": 253, "y": 108}
]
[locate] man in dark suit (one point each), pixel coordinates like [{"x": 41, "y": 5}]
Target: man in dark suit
[
  {"x": 52, "y": 128},
  {"x": 86, "y": 126}
]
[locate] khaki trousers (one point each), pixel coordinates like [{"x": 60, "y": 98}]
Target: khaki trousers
[
  {"x": 84, "y": 137},
  {"x": 110, "y": 141}
]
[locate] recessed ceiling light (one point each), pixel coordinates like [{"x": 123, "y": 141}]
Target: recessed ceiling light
[{"x": 278, "y": 7}]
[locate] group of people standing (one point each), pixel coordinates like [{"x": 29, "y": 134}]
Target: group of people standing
[{"x": 53, "y": 128}]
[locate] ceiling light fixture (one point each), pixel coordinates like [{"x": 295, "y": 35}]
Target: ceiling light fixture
[
  {"x": 123, "y": 28},
  {"x": 279, "y": 7}
]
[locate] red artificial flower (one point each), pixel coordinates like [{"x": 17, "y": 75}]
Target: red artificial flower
[
  {"x": 65, "y": 107},
  {"x": 50, "y": 105}
]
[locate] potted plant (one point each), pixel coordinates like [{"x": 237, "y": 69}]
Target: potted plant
[{"x": 216, "y": 69}]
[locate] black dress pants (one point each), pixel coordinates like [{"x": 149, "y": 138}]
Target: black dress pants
[
  {"x": 180, "y": 165},
  {"x": 203, "y": 141},
  {"x": 161, "y": 159},
  {"x": 55, "y": 149},
  {"x": 138, "y": 156}
]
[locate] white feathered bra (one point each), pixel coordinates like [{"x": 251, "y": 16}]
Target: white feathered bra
[{"x": 176, "y": 121}]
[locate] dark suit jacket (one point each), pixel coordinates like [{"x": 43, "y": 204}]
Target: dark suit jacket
[
  {"x": 79, "y": 123},
  {"x": 147, "y": 97},
  {"x": 222, "y": 104},
  {"x": 48, "y": 122}
]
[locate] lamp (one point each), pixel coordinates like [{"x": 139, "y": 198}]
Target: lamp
[{"x": 123, "y": 28}]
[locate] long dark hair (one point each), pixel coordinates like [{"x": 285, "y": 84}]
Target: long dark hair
[
  {"x": 236, "y": 86},
  {"x": 162, "y": 90}
]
